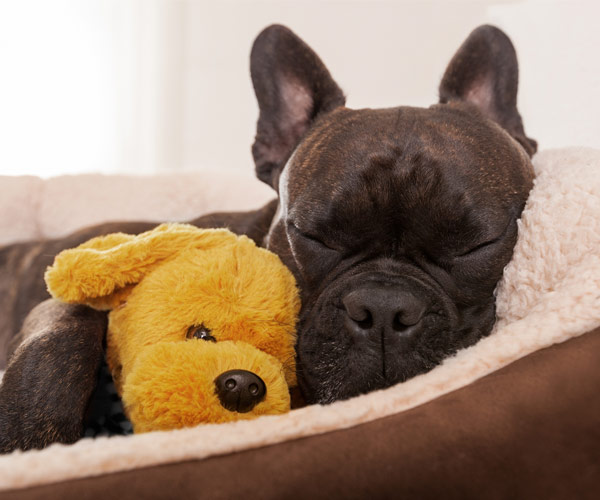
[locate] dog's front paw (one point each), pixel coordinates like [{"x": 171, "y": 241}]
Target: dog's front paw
[{"x": 50, "y": 377}]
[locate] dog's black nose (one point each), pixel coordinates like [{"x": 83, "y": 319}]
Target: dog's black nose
[
  {"x": 378, "y": 309},
  {"x": 240, "y": 390}
]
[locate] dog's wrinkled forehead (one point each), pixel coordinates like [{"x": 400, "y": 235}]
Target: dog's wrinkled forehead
[{"x": 375, "y": 156}]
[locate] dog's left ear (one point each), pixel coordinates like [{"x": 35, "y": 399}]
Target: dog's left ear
[
  {"x": 485, "y": 72},
  {"x": 292, "y": 86}
]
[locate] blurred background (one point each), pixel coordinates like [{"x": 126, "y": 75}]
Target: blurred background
[{"x": 151, "y": 86}]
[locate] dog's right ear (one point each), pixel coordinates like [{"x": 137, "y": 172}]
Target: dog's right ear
[
  {"x": 485, "y": 72},
  {"x": 292, "y": 86}
]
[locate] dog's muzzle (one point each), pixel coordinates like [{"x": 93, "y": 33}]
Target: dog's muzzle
[{"x": 378, "y": 324}]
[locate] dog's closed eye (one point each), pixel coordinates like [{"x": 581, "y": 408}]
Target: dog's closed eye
[
  {"x": 309, "y": 237},
  {"x": 478, "y": 247},
  {"x": 486, "y": 244},
  {"x": 200, "y": 332}
]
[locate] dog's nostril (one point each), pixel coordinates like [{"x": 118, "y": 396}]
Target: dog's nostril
[
  {"x": 397, "y": 324},
  {"x": 356, "y": 311},
  {"x": 367, "y": 322},
  {"x": 403, "y": 319}
]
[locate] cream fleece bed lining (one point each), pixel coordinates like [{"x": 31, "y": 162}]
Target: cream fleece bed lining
[{"x": 550, "y": 293}]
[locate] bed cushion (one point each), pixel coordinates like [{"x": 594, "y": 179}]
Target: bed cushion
[
  {"x": 528, "y": 430},
  {"x": 35, "y": 208},
  {"x": 514, "y": 415}
]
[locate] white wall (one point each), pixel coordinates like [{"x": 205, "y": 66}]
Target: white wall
[{"x": 149, "y": 85}]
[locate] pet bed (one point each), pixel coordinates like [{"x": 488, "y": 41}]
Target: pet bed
[{"x": 515, "y": 416}]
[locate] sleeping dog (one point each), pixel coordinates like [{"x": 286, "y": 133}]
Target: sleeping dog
[{"x": 397, "y": 224}]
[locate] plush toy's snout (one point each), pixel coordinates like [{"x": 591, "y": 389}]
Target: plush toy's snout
[
  {"x": 176, "y": 384},
  {"x": 202, "y": 322}
]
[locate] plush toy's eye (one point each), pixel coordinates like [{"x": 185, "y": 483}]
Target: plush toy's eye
[{"x": 200, "y": 332}]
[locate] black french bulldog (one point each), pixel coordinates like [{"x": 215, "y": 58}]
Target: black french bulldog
[{"x": 397, "y": 224}]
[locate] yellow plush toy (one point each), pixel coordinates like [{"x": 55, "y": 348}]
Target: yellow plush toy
[{"x": 201, "y": 324}]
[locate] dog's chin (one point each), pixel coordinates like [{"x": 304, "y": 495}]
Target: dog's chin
[
  {"x": 349, "y": 376},
  {"x": 333, "y": 365},
  {"x": 344, "y": 371}
]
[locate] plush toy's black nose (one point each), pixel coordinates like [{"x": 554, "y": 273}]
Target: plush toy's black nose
[{"x": 240, "y": 390}]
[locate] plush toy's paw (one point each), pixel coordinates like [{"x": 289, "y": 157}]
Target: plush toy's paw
[{"x": 183, "y": 384}]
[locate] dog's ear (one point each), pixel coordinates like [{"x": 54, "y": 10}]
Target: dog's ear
[
  {"x": 485, "y": 72},
  {"x": 102, "y": 272},
  {"x": 292, "y": 86}
]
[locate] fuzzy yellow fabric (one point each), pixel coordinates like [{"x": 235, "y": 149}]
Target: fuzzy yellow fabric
[
  {"x": 103, "y": 265},
  {"x": 172, "y": 385},
  {"x": 162, "y": 282}
]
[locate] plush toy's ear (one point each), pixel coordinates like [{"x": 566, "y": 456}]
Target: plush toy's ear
[{"x": 102, "y": 272}]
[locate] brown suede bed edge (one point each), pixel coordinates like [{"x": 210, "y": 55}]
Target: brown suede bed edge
[{"x": 530, "y": 430}]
